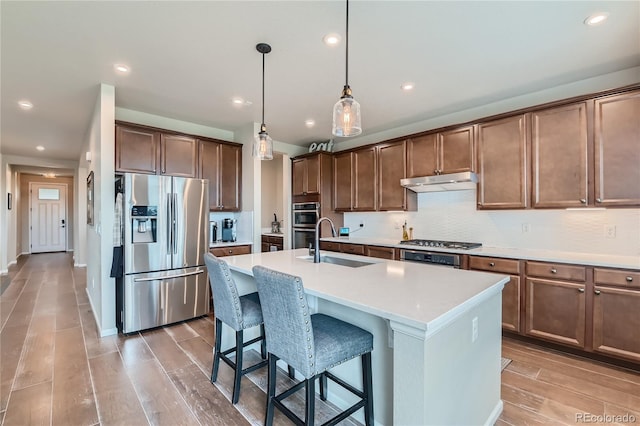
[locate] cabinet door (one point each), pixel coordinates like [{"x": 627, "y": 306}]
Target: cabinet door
[
  {"x": 312, "y": 177},
  {"x": 298, "y": 176},
  {"x": 209, "y": 169},
  {"x": 555, "y": 311},
  {"x": 137, "y": 150},
  {"x": 559, "y": 156},
  {"x": 456, "y": 151},
  {"x": 364, "y": 179},
  {"x": 422, "y": 156},
  {"x": 179, "y": 156},
  {"x": 511, "y": 304},
  {"x": 391, "y": 168},
  {"x": 230, "y": 177},
  {"x": 616, "y": 322},
  {"x": 502, "y": 159},
  {"x": 617, "y": 150},
  {"x": 342, "y": 179}
]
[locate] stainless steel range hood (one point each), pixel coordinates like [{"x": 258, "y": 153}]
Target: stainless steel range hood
[{"x": 449, "y": 182}]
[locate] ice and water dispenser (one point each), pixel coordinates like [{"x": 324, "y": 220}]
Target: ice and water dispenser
[{"x": 144, "y": 224}]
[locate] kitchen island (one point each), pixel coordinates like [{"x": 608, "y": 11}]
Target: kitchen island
[{"x": 437, "y": 332}]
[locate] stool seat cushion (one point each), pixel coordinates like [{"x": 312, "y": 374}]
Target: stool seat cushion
[
  {"x": 337, "y": 341},
  {"x": 251, "y": 311}
]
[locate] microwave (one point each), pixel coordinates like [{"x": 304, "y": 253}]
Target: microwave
[{"x": 305, "y": 215}]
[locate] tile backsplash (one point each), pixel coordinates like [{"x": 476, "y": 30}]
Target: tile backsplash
[{"x": 453, "y": 216}]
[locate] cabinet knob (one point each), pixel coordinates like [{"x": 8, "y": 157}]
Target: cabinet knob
[
  {"x": 554, "y": 270},
  {"x": 581, "y": 290},
  {"x": 598, "y": 200},
  {"x": 435, "y": 172},
  {"x": 596, "y": 292},
  {"x": 629, "y": 279},
  {"x": 583, "y": 201},
  {"x": 492, "y": 264}
]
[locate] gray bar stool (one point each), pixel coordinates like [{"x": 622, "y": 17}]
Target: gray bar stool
[
  {"x": 312, "y": 344},
  {"x": 239, "y": 313}
]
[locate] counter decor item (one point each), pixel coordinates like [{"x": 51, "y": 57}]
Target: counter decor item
[
  {"x": 275, "y": 225},
  {"x": 405, "y": 235}
]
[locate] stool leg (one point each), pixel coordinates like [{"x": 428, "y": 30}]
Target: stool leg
[
  {"x": 216, "y": 352},
  {"x": 292, "y": 373},
  {"x": 271, "y": 389},
  {"x": 263, "y": 344},
  {"x": 323, "y": 387},
  {"x": 238, "y": 372},
  {"x": 310, "y": 387},
  {"x": 367, "y": 387}
]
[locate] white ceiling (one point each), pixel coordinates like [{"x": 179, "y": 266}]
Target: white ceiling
[{"x": 189, "y": 59}]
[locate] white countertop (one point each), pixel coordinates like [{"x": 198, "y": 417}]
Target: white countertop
[
  {"x": 418, "y": 295},
  {"x": 230, "y": 244},
  {"x": 605, "y": 260}
]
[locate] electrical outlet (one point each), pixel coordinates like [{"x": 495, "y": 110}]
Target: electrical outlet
[
  {"x": 526, "y": 228},
  {"x": 474, "y": 329},
  {"x": 609, "y": 231},
  {"x": 398, "y": 225},
  {"x": 361, "y": 224}
]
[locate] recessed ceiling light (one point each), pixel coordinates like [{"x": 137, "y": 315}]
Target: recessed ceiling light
[
  {"x": 331, "y": 39},
  {"x": 25, "y": 105},
  {"x": 596, "y": 18},
  {"x": 40, "y": 148},
  {"x": 240, "y": 102},
  {"x": 408, "y": 86},
  {"x": 121, "y": 68},
  {"x": 310, "y": 123},
  {"x": 49, "y": 175}
]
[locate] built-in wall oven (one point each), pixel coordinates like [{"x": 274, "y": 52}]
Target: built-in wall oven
[{"x": 305, "y": 217}]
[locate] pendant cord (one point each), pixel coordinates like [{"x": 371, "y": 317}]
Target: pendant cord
[
  {"x": 263, "y": 89},
  {"x": 347, "y": 49}
]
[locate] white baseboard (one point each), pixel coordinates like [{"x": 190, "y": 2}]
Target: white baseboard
[
  {"x": 24, "y": 253},
  {"x": 4, "y": 271},
  {"x": 101, "y": 332},
  {"x": 13, "y": 262},
  {"x": 79, "y": 265},
  {"x": 109, "y": 332},
  {"x": 495, "y": 414},
  {"x": 69, "y": 250}
]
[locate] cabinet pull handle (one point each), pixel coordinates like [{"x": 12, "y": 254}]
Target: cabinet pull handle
[
  {"x": 230, "y": 251},
  {"x": 599, "y": 200},
  {"x": 435, "y": 172},
  {"x": 596, "y": 292},
  {"x": 583, "y": 201},
  {"x": 554, "y": 271},
  {"x": 629, "y": 279},
  {"x": 581, "y": 290},
  {"x": 492, "y": 264}
]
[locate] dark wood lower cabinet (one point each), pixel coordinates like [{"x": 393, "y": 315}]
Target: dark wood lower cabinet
[
  {"x": 616, "y": 322},
  {"x": 381, "y": 252},
  {"x": 231, "y": 250}
]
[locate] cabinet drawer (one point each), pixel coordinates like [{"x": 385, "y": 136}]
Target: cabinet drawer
[
  {"x": 556, "y": 271},
  {"x": 330, "y": 246},
  {"x": 382, "y": 252},
  {"x": 272, "y": 239},
  {"x": 616, "y": 277},
  {"x": 230, "y": 251},
  {"x": 353, "y": 248},
  {"x": 495, "y": 264}
]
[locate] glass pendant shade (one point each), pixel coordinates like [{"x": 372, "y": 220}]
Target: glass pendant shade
[
  {"x": 263, "y": 145},
  {"x": 346, "y": 117}
]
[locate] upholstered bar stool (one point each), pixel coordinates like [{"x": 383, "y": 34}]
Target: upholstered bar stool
[
  {"x": 239, "y": 313},
  {"x": 312, "y": 344}
]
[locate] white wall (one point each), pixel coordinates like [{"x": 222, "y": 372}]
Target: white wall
[
  {"x": 271, "y": 190},
  {"x": 453, "y": 216}
]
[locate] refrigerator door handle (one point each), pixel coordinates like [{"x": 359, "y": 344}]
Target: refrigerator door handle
[
  {"x": 169, "y": 225},
  {"x": 175, "y": 223},
  {"x": 168, "y": 277}
]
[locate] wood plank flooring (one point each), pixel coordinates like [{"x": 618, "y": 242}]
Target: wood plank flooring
[{"x": 54, "y": 368}]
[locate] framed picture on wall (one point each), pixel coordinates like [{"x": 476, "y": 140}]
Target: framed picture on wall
[
  {"x": 90, "y": 199},
  {"x": 9, "y": 201}
]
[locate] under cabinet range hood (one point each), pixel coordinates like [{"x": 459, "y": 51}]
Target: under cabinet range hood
[{"x": 437, "y": 183}]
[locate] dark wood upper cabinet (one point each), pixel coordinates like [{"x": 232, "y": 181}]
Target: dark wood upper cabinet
[
  {"x": 617, "y": 150},
  {"x": 179, "y": 155},
  {"x": 422, "y": 155},
  {"x": 222, "y": 165},
  {"x": 137, "y": 150},
  {"x": 209, "y": 169},
  {"x": 456, "y": 150},
  {"x": 502, "y": 151},
  {"x": 342, "y": 181},
  {"x": 365, "y": 186},
  {"x": 392, "y": 166},
  {"x": 559, "y": 145},
  {"x": 306, "y": 175}
]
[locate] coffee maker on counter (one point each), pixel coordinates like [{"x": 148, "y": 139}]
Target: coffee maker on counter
[{"x": 228, "y": 230}]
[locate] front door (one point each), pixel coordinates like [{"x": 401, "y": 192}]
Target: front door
[{"x": 48, "y": 217}]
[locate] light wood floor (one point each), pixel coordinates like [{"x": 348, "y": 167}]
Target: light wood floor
[{"x": 54, "y": 369}]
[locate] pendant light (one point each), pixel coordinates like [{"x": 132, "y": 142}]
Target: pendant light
[
  {"x": 263, "y": 144},
  {"x": 346, "y": 112}
]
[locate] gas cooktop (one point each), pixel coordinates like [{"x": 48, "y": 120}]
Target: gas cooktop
[{"x": 442, "y": 244}]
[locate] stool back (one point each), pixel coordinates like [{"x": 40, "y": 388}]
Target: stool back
[
  {"x": 287, "y": 320},
  {"x": 226, "y": 302}
]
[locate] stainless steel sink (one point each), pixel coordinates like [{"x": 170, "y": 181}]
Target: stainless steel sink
[{"x": 351, "y": 263}]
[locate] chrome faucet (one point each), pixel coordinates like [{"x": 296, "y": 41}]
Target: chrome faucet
[{"x": 316, "y": 241}]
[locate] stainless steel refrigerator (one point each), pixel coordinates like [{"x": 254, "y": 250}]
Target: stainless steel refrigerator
[{"x": 166, "y": 235}]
